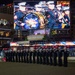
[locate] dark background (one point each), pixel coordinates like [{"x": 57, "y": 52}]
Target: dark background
[{"x": 6, "y": 1}]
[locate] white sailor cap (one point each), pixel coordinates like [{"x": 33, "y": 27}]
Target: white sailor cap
[
  {"x": 22, "y": 4},
  {"x": 66, "y": 8},
  {"x": 59, "y": 5},
  {"x": 50, "y": 2},
  {"x": 42, "y": 2},
  {"x": 38, "y": 6}
]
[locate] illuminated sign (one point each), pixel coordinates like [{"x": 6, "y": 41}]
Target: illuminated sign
[
  {"x": 23, "y": 42},
  {"x": 35, "y": 37}
]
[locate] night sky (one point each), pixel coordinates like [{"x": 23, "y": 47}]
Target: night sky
[{"x": 6, "y": 1}]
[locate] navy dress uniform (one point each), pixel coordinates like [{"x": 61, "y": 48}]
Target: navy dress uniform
[
  {"x": 27, "y": 56},
  {"x": 13, "y": 56},
  {"x": 47, "y": 57},
  {"x": 59, "y": 57},
  {"x": 66, "y": 54},
  {"x": 9, "y": 56},
  {"x": 19, "y": 14},
  {"x": 50, "y": 14},
  {"x": 19, "y": 60},
  {"x": 21, "y": 55},
  {"x": 38, "y": 54},
  {"x": 19, "y": 20},
  {"x": 44, "y": 56},
  {"x": 41, "y": 56},
  {"x": 51, "y": 56},
  {"x": 34, "y": 55},
  {"x": 30, "y": 56},
  {"x": 55, "y": 57},
  {"x": 6, "y": 54},
  {"x": 16, "y": 56},
  {"x": 66, "y": 18},
  {"x": 24, "y": 54}
]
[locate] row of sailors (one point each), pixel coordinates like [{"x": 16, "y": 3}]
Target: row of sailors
[{"x": 49, "y": 57}]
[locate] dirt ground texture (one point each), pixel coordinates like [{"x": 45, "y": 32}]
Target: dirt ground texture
[{"x": 15, "y": 68}]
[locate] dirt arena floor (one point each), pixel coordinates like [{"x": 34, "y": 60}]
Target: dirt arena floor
[{"x": 15, "y": 68}]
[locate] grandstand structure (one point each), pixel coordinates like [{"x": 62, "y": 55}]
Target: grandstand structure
[{"x": 6, "y": 23}]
